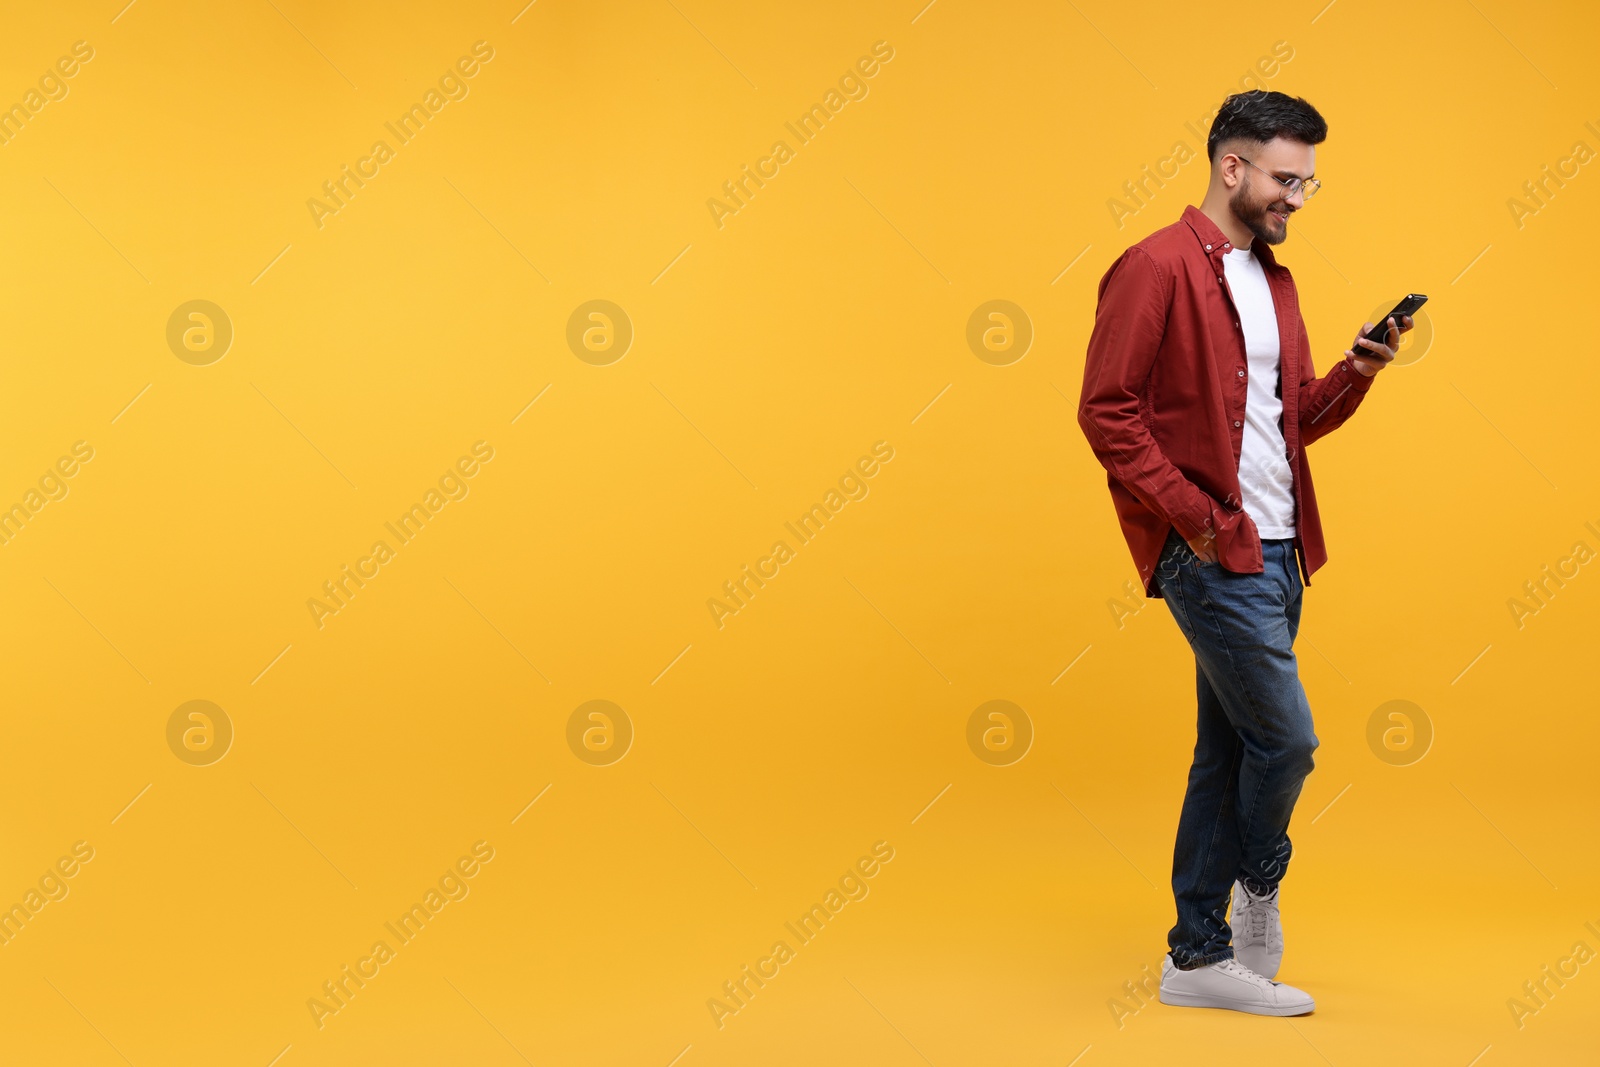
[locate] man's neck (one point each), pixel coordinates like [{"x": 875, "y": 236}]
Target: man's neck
[{"x": 1237, "y": 233}]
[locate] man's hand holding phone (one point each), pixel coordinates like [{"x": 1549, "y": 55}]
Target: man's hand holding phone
[
  {"x": 1373, "y": 349},
  {"x": 1369, "y": 356}
]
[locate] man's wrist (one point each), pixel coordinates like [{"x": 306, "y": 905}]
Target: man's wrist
[{"x": 1361, "y": 375}]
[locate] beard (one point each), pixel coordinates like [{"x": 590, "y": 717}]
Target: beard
[{"x": 1254, "y": 215}]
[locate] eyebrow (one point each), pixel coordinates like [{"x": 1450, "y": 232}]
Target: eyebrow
[{"x": 1290, "y": 174}]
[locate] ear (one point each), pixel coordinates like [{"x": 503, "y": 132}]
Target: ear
[{"x": 1231, "y": 168}]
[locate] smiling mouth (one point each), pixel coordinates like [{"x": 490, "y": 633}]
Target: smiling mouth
[{"x": 1283, "y": 216}]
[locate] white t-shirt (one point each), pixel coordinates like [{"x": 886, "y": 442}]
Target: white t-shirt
[{"x": 1265, "y": 480}]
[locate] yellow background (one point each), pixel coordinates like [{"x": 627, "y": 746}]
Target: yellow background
[{"x": 769, "y": 354}]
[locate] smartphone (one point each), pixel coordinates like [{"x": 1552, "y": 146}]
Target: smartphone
[{"x": 1379, "y": 334}]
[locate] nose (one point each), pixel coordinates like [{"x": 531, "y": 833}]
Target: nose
[{"x": 1298, "y": 200}]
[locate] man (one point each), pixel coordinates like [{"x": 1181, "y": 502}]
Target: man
[{"x": 1199, "y": 397}]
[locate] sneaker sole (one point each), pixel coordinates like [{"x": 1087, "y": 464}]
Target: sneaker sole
[{"x": 1205, "y": 1000}]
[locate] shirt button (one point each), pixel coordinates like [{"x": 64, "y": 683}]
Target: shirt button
[
  {"x": 1219, "y": 277},
  {"x": 1208, "y": 248},
  {"x": 1241, "y": 374},
  {"x": 1236, "y": 422}
]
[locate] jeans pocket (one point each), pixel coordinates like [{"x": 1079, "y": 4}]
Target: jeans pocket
[{"x": 1180, "y": 552}]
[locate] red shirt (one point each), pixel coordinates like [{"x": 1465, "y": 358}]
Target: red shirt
[{"x": 1164, "y": 388}]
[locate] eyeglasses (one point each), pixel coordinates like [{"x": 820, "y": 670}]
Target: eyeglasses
[{"x": 1292, "y": 185}]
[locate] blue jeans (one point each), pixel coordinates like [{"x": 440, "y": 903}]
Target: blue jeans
[{"x": 1255, "y": 737}]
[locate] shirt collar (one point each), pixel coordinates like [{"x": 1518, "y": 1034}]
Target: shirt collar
[{"x": 1216, "y": 244}]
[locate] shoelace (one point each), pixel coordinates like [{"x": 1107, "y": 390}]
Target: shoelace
[
  {"x": 1257, "y": 915},
  {"x": 1233, "y": 966},
  {"x": 1256, "y": 909}
]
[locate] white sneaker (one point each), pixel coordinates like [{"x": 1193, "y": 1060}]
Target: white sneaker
[
  {"x": 1257, "y": 931},
  {"x": 1230, "y": 984}
]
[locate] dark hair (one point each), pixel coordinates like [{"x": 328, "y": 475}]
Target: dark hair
[{"x": 1259, "y": 116}]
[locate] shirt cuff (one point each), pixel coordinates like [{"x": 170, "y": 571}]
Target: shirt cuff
[
  {"x": 1359, "y": 382},
  {"x": 1197, "y": 523}
]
